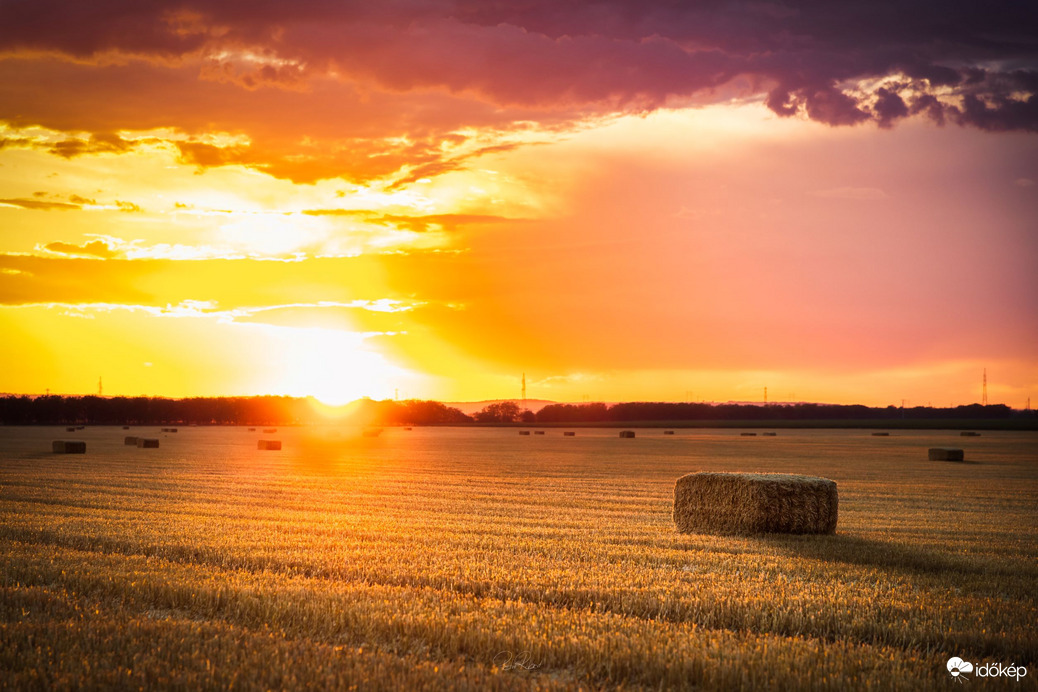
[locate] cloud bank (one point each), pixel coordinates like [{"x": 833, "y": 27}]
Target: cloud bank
[{"x": 370, "y": 91}]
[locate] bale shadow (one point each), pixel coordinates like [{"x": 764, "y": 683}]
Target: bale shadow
[{"x": 869, "y": 552}]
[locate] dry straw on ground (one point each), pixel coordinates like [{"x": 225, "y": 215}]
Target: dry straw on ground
[{"x": 752, "y": 503}]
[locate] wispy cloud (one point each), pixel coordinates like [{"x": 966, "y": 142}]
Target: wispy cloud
[{"x": 75, "y": 203}]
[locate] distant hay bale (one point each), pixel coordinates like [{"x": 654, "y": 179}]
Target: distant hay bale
[
  {"x": 67, "y": 447},
  {"x": 79, "y": 427},
  {"x": 538, "y": 432},
  {"x": 969, "y": 433},
  {"x": 273, "y": 445},
  {"x": 748, "y": 434},
  {"x": 126, "y": 427},
  {"x": 569, "y": 434},
  {"x": 252, "y": 429},
  {"x": 946, "y": 454},
  {"x": 881, "y": 434},
  {"x": 147, "y": 443},
  {"x": 753, "y": 503},
  {"x": 269, "y": 431},
  {"x": 524, "y": 432},
  {"x": 626, "y": 433},
  {"x": 770, "y": 434},
  {"x": 169, "y": 430},
  {"x": 407, "y": 428},
  {"x": 129, "y": 440},
  {"x": 668, "y": 432},
  {"x": 70, "y": 430}
]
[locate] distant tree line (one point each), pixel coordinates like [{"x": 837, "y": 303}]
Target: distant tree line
[
  {"x": 277, "y": 410},
  {"x": 662, "y": 411},
  {"x": 258, "y": 410}
]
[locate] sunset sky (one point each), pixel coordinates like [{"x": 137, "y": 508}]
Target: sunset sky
[{"x": 626, "y": 200}]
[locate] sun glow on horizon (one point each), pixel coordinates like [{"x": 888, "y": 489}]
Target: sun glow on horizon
[{"x": 333, "y": 366}]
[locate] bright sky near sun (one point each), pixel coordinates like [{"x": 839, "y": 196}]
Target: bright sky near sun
[{"x": 625, "y": 201}]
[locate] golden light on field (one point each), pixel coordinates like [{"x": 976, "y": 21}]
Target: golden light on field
[{"x": 346, "y": 561}]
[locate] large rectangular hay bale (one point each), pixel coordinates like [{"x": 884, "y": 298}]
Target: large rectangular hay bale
[
  {"x": 626, "y": 433},
  {"x": 946, "y": 454},
  {"x": 130, "y": 440},
  {"x": 273, "y": 445},
  {"x": 569, "y": 433},
  {"x": 668, "y": 432},
  {"x": 147, "y": 443},
  {"x": 524, "y": 432},
  {"x": 754, "y": 503},
  {"x": 270, "y": 431},
  {"x": 68, "y": 447},
  {"x": 969, "y": 433},
  {"x": 881, "y": 434}
]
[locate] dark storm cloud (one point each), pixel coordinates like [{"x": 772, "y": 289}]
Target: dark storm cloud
[{"x": 487, "y": 62}]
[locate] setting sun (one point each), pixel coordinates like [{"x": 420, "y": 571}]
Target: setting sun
[{"x": 332, "y": 366}]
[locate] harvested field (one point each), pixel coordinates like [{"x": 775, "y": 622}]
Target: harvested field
[{"x": 473, "y": 558}]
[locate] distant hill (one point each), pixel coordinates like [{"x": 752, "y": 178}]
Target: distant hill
[{"x": 471, "y": 407}]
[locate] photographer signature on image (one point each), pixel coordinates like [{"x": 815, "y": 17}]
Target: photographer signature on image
[{"x": 515, "y": 661}]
